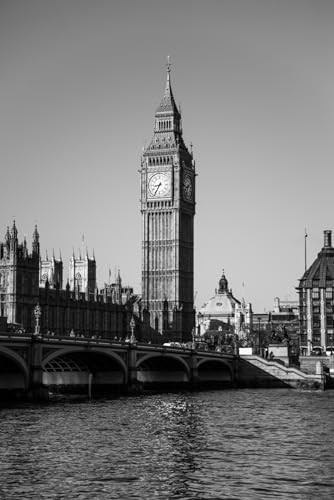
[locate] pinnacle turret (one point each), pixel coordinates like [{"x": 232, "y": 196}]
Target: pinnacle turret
[
  {"x": 223, "y": 284},
  {"x": 13, "y": 232},
  {"x": 35, "y": 242},
  {"x": 7, "y": 235}
]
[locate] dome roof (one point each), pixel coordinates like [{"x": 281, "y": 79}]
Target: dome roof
[
  {"x": 322, "y": 269},
  {"x": 220, "y": 304},
  {"x": 223, "y": 303}
]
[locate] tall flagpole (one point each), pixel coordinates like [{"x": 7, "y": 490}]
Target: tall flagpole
[{"x": 305, "y": 236}]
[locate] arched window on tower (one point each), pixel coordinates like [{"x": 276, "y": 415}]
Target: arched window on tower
[{"x": 78, "y": 279}]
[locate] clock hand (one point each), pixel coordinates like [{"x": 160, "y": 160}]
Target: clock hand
[{"x": 155, "y": 192}]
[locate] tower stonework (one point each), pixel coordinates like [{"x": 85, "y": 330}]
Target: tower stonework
[
  {"x": 168, "y": 209},
  {"x": 51, "y": 272},
  {"x": 19, "y": 292},
  {"x": 82, "y": 274}
]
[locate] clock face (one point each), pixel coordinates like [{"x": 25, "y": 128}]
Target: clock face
[
  {"x": 187, "y": 187},
  {"x": 159, "y": 185}
]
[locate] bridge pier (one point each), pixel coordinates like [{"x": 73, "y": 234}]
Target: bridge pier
[
  {"x": 236, "y": 372},
  {"x": 194, "y": 378},
  {"x": 37, "y": 391},
  {"x": 133, "y": 385}
]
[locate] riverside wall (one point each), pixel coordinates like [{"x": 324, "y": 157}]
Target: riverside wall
[{"x": 254, "y": 371}]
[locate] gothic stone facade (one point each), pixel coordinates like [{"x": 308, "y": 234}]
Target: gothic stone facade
[
  {"x": 26, "y": 280},
  {"x": 168, "y": 208}
]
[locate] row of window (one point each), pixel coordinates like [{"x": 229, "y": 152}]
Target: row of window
[
  {"x": 316, "y": 339},
  {"x": 329, "y": 292}
]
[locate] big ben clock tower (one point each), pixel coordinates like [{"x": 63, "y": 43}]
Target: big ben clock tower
[{"x": 168, "y": 209}]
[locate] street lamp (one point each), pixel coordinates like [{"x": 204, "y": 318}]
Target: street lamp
[
  {"x": 236, "y": 344},
  {"x": 132, "y": 326},
  {"x": 193, "y": 343},
  {"x": 38, "y": 314}
]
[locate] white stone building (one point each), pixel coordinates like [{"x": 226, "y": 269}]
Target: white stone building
[{"x": 224, "y": 312}]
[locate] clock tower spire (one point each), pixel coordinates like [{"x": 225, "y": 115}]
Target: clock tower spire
[{"x": 168, "y": 209}]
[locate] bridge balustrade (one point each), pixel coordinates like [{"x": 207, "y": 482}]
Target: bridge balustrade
[{"x": 104, "y": 365}]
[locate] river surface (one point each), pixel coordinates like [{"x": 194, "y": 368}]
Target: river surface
[{"x": 233, "y": 444}]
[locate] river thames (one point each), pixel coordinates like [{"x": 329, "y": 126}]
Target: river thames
[{"x": 233, "y": 444}]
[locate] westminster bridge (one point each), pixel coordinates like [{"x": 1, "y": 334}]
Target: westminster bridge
[{"x": 36, "y": 366}]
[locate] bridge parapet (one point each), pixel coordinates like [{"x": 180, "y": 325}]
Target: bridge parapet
[{"x": 109, "y": 364}]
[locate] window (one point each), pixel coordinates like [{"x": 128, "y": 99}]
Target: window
[{"x": 303, "y": 339}]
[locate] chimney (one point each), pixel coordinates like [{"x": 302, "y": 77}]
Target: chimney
[{"x": 328, "y": 239}]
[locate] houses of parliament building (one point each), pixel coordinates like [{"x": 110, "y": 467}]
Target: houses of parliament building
[
  {"x": 27, "y": 280},
  {"x": 165, "y": 308}
]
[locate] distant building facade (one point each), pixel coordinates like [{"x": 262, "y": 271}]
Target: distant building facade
[
  {"x": 26, "y": 280},
  {"x": 316, "y": 300},
  {"x": 224, "y": 310}
]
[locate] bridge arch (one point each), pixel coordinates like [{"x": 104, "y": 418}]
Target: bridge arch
[
  {"x": 162, "y": 368},
  {"x": 14, "y": 371},
  {"x": 215, "y": 370},
  {"x": 78, "y": 369}
]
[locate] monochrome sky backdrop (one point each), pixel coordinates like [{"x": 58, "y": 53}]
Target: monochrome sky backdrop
[{"x": 79, "y": 84}]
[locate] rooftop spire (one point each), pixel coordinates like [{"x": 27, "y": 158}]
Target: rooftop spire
[
  {"x": 35, "y": 235},
  {"x": 168, "y": 66},
  {"x": 14, "y": 231},
  {"x": 35, "y": 242},
  {"x": 7, "y": 236},
  {"x": 167, "y": 104}
]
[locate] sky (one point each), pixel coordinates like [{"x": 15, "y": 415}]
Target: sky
[{"x": 79, "y": 84}]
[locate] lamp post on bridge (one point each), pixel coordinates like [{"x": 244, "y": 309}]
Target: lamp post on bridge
[{"x": 38, "y": 314}]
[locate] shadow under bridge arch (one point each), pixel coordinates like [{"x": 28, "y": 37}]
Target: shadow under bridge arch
[
  {"x": 215, "y": 372},
  {"x": 14, "y": 374},
  {"x": 84, "y": 371},
  {"x": 163, "y": 370}
]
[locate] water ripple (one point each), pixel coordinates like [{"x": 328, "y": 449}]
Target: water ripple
[{"x": 243, "y": 444}]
